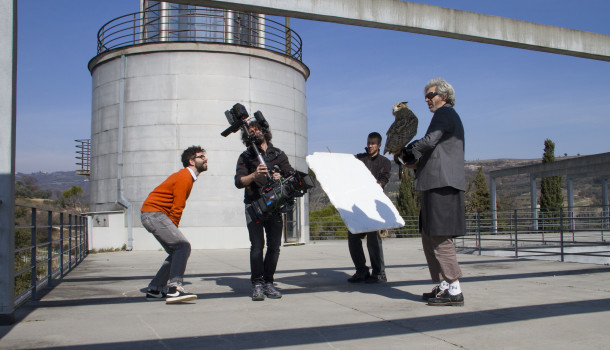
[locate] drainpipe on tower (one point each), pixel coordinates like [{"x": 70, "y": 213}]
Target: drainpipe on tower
[{"x": 120, "y": 200}]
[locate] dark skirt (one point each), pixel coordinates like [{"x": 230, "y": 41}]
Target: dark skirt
[{"x": 443, "y": 212}]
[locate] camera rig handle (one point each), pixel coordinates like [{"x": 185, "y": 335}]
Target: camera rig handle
[
  {"x": 237, "y": 117},
  {"x": 258, "y": 154}
]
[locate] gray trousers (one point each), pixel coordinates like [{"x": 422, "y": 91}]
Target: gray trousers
[
  {"x": 175, "y": 244},
  {"x": 441, "y": 258}
]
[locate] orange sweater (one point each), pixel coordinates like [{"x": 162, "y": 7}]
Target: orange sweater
[{"x": 170, "y": 196}]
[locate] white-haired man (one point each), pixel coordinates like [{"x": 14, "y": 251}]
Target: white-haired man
[{"x": 438, "y": 158}]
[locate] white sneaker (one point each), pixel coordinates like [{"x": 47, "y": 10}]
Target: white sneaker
[
  {"x": 154, "y": 295},
  {"x": 176, "y": 294}
]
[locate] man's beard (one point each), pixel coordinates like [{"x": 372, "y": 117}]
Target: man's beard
[
  {"x": 203, "y": 167},
  {"x": 259, "y": 139}
]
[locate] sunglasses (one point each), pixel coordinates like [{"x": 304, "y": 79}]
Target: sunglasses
[{"x": 431, "y": 95}]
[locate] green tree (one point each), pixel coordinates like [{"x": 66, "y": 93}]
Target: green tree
[
  {"x": 407, "y": 202},
  {"x": 326, "y": 223},
  {"x": 22, "y": 190},
  {"x": 551, "y": 197},
  {"x": 479, "y": 198},
  {"x": 72, "y": 197},
  {"x": 28, "y": 187}
]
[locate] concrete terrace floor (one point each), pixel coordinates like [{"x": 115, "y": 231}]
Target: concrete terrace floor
[{"x": 510, "y": 304}]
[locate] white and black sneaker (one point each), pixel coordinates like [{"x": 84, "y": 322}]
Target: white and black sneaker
[
  {"x": 176, "y": 294},
  {"x": 154, "y": 295}
]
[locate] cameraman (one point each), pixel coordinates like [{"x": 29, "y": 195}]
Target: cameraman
[
  {"x": 251, "y": 174},
  {"x": 380, "y": 168}
]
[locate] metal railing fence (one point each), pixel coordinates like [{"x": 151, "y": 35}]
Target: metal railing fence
[
  {"x": 332, "y": 227},
  {"x": 48, "y": 245},
  {"x": 199, "y": 25},
  {"x": 579, "y": 231}
]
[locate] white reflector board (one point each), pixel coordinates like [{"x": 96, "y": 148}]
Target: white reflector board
[{"x": 355, "y": 193}]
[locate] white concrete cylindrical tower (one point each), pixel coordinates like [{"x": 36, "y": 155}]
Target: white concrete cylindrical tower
[{"x": 152, "y": 101}]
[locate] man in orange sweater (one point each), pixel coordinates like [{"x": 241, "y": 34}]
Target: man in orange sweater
[{"x": 161, "y": 213}]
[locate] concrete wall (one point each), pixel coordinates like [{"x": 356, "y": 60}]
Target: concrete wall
[
  {"x": 170, "y": 96},
  {"x": 107, "y": 231},
  {"x": 430, "y": 20}
]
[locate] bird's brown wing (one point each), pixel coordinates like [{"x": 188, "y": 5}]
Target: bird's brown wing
[{"x": 402, "y": 130}]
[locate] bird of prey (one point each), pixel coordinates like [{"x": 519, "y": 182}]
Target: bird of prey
[{"x": 402, "y": 130}]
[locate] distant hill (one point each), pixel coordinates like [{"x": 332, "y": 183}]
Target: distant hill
[{"x": 57, "y": 181}]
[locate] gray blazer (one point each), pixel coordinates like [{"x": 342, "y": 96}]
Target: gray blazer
[{"x": 441, "y": 152}]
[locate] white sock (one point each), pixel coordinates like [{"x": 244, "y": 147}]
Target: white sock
[
  {"x": 454, "y": 288},
  {"x": 443, "y": 285}
]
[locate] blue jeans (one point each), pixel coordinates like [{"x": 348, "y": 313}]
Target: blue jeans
[
  {"x": 174, "y": 243},
  {"x": 262, "y": 270}
]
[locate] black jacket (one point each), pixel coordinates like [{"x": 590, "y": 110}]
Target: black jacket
[
  {"x": 378, "y": 165},
  {"x": 247, "y": 163}
]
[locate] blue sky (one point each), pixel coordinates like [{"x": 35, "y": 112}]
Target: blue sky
[{"x": 510, "y": 100}]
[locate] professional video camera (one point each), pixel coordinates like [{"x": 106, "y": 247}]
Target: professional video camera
[
  {"x": 280, "y": 194},
  {"x": 276, "y": 194}
]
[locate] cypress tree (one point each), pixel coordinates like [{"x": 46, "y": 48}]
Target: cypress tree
[
  {"x": 551, "y": 198},
  {"x": 479, "y": 198},
  {"x": 408, "y": 201}
]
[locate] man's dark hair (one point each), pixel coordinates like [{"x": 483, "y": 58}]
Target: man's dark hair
[
  {"x": 266, "y": 132},
  {"x": 375, "y": 135},
  {"x": 189, "y": 154}
]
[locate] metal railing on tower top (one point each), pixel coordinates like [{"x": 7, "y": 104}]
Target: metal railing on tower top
[{"x": 199, "y": 25}]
